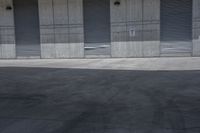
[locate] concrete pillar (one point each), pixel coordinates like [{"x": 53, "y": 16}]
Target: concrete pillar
[
  {"x": 135, "y": 28},
  {"x": 61, "y": 24},
  {"x": 7, "y": 33},
  {"x": 196, "y": 28}
]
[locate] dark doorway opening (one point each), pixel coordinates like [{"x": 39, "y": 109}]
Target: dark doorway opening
[
  {"x": 27, "y": 28},
  {"x": 176, "y": 27},
  {"x": 97, "y": 27}
]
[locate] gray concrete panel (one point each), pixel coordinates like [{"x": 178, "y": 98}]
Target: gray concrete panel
[
  {"x": 196, "y": 28},
  {"x": 151, "y": 48},
  {"x": 48, "y": 51},
  {"x": 7, "y": 30},
  {"x": 62, "y": 50},
  {"x": 143, "y": 17}
]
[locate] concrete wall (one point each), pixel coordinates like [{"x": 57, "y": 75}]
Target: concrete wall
[
  {"x": 196, "y": 27},
  {"x": 62, "y": 36},
  {"x": 7, "y": 33},
  {"x": 61, "y": 24},
  {"x": 143, "y": 16}
]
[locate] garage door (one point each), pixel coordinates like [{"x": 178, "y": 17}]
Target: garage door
[
  {"x": 176, "y": 27},
  {"x": 27, "y": 28},
  {"x": 97, "y": 27}
]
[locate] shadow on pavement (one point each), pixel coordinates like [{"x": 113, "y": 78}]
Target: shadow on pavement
[{"x": 44, "y": 100}]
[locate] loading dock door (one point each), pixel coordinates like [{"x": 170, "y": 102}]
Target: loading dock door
[
  {"x": 27, "y": 28},
  {"x": 176, "y": 27},
  {"x": 97, "y": 27}
]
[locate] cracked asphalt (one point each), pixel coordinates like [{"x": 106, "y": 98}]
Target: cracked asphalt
[{"x": 63, "y": 100}]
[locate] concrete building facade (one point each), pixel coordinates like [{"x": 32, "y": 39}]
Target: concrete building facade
[{"x": 99, "y": 28}]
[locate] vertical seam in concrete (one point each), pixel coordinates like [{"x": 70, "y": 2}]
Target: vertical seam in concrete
[
  {"x": 68, "y": 30},
  {"x": 142, "y": 20},
  {"x": 126, "y": 11},
  {"x": 84, "y": 54},
  {"x": 83, "y": 41},
  {"x": 160, "y": 28},
  {"x": 110, "y": 28},
  {"x": 54, "y": 34},
  {"x": 192, "y": 52},
  {"x": 53, "y": 10},
  {"x": 13, "y": 25},
  {"x": 142, "y": 28},
  {"x": 38, "y": 15}
]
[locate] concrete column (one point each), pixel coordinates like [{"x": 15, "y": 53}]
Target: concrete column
[
  {"x": 61, "y": 24},
  {"x": 135, "y": 28},
  {"x": 7, "y": 33},
  {"x": 196, "y": 28}
]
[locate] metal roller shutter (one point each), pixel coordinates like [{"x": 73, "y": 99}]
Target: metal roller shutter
[
  {"x": 27, "y": 28},
  {"x": 97, "y": 27},
  {"x": 176, "y": 27}
]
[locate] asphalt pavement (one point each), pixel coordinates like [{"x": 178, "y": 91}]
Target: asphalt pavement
[{"x": 78, "y": 100}]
